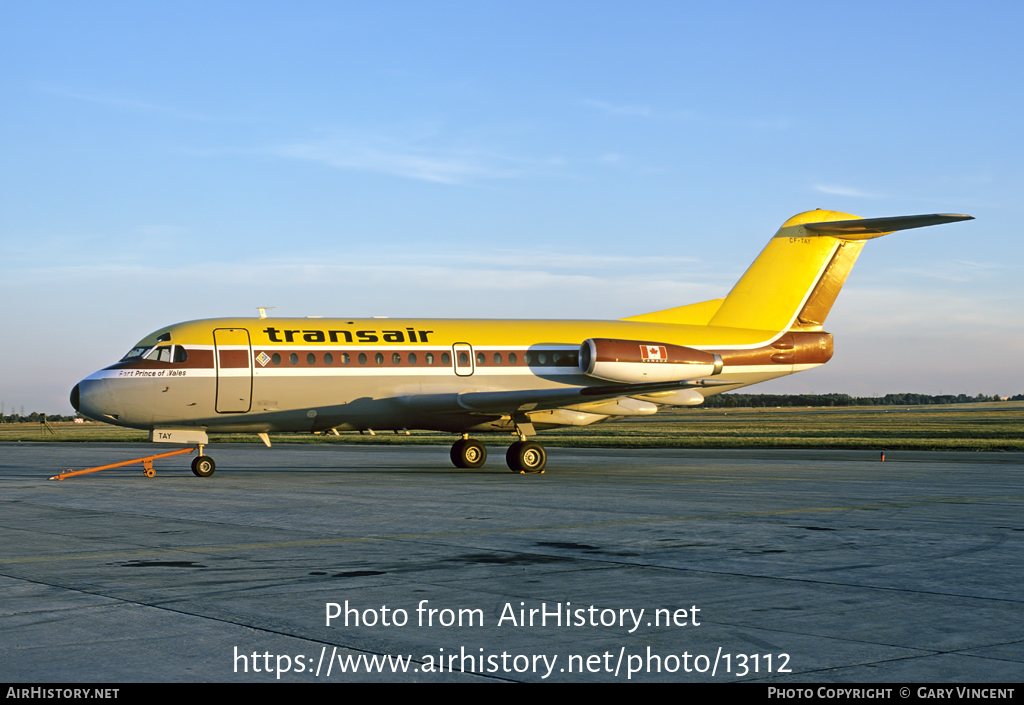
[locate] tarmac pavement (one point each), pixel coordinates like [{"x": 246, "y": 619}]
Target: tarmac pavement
[{"x": 771, "y": 566}]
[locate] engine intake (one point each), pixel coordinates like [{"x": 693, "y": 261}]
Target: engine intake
[{"x": 633, "y": 361}]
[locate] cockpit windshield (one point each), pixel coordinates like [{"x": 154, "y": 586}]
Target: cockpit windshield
[
  {"x": 160, "y": 353},
  {"x": 136, "y": 353}
]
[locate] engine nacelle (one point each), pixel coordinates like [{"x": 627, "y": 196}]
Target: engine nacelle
[{"x": 640, "y": 361}]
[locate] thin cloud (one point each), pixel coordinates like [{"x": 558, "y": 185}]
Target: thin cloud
[
  {"x": 626, "y": 110},
  {"x": 403, "y": 287},
  {"x": 411, "y": 156},
  {"x": 636, "y": 111},
  {"x": 554, "y": 260},
  {"x": 980, "y": 265},
  {"x": 130, "y": 104},
  {"x": 691, "y": 116},
  {"x": 948, "y": 275},
  {"x": 409, "y": 163},
  {"x": 870, "y": 310},
  {"x": 162, "y": 231},
  {"x": 959, "y": 271},
  {"x": 776, "y": 124},
  {"x": 835, "y": 190}
]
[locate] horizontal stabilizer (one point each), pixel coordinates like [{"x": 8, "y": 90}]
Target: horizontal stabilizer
[{"x": 868, "y": 228}]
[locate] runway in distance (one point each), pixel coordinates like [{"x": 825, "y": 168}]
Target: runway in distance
[{"x": 316, "y": 375}]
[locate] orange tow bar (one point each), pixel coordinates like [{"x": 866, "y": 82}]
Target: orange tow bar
[{"x": 147, "y": 464}]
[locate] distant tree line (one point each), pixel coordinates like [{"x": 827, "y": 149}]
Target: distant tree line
[
  {"x": 728, "y": 401},
  {"x": 34, "y": 417}
]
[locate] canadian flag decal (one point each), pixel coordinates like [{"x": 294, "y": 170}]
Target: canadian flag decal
[{"x": 653, "y": 353}]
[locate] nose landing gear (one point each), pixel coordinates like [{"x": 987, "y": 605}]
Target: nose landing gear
[{"x": 203, "y": 466}]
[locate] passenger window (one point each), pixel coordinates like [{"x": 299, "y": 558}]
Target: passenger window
[
  {"x": 328, "y": 359},
  {"x": 446, "y": 359},
  {"x": 362, "y": 358},
  {"x": 497, "y": 358},
  {"x": 396, "y": 359},
  {"x": 412, "y": 358},
  {"x": 429, "y": 358},
  {"x": 378, "y": 358},
  {"x": 463, "y": 358},
  {"x": 528, "y": 358},
  {"x": 276, "y": 358},
  {"x": 345, "y": 358},
  {"x": 311, "y": 359},
  {"x": 293, "y": 358},
  {"x": 481, "y": 358},
  {"x": 512, "y": 358}
]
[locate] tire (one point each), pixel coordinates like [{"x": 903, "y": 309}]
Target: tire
[
  {"x": 526, "y": 457},
  {"x": 468, "y": 454},
  {"x": 203, "y": 466}
]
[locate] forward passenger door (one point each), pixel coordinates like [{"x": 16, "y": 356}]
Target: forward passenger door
[{"x": 232, "y": 357}]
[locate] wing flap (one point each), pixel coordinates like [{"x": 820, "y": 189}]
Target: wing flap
[{"x": 524, "y": 400}]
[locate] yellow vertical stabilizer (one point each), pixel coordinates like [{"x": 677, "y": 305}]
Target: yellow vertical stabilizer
[{"x": 778, "y": 284}]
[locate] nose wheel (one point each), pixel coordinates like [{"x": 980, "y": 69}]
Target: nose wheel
[
  {"x": 526, "y": 457},
  {"x": 203, "y": 466}
]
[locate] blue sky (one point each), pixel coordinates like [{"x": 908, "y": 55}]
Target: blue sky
[{"x": 173, "y": 161}]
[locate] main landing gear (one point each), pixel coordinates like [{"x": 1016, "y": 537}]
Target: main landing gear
[
  {"x": 522, "y": 456},
  {"x": 526, "y": 456},
  {"x": 467, "y": 453}
]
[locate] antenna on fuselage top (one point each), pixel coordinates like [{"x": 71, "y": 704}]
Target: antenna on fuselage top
[{"x": 263, "y": 310}]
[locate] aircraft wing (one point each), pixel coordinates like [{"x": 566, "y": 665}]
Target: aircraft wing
[{"x": 523, "y": 400}]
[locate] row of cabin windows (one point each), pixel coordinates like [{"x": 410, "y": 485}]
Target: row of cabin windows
[{"x": 555, "y": 358}]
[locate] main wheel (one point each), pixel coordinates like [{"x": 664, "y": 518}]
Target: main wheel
[
  {"x": 526, "y": 456},
  {"x": 467, "y": 453},
  {"x": 203, "y": 466}
]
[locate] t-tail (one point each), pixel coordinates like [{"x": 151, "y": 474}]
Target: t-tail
[{"x": 795, "y": 280}]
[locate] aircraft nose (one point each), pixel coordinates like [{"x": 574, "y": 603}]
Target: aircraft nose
[
  {"x": 93, "y": 398},
  {"x": 89, "y": 399}
]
